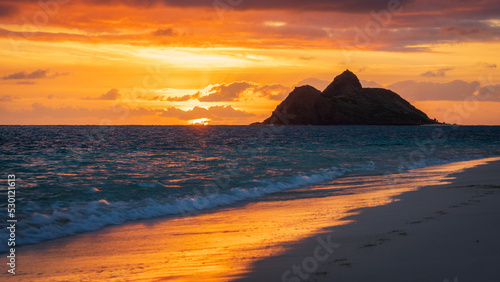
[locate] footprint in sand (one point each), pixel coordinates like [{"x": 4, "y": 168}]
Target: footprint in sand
[
  {"x": 343, "y": 262},
  {"x": 395, "y": 231},
  {"x": 346, "y": 264},
  {"x": 382, "y": 240},
  {"x": 399, "y": 232}
]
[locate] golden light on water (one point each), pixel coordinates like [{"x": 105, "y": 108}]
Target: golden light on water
[{"x": 200, "y": 121}]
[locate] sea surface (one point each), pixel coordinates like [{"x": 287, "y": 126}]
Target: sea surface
[{"x": 72, "y": 179}]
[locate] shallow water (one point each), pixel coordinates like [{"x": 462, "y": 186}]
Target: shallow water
[{"x": 73, "y": 179}]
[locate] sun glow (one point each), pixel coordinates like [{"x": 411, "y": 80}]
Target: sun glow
[
  {"x": 200, "y": 121},
  {"x": 59, "y": 64}
]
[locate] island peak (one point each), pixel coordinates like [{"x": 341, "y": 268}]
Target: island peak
[
  {"x": 345, "y": 82},
  {"x": 346, "y": 102}
]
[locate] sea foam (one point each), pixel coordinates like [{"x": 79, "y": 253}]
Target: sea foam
[{"x": 95, "y": 215}]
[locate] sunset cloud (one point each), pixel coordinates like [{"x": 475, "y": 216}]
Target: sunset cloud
[
  {"x": 113, "y": 94},
  {"x": 6, "y": 98},
  {"x": 234, "y": 61},
  {"x": 353, "y": 6},
  {"x": 226, "y": 92},
  {"x": 7, "y": 10},
  {"x": 489, "y": 66},
  {"x": 165, "y": 32},
  {"x": 38, "y": 74},
  {"x": 395, "y": 25},
  {"x": 27, "y": 82},
  {"x": 232, "y": 92},
  {"x": 182, "y": 98},
  {"x": 439, "y": 73},
  {"x": 457, "y": 90},
  {"x": 215, "y": 112},
  {"x": 38, "y": 111}
]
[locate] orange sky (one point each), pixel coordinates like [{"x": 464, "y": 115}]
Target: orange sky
[{"x": 232, "y": 62}]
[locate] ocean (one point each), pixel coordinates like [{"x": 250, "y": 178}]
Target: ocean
[{"x": 73, "y": 179}]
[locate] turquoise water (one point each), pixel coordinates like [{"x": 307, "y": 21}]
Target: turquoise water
[{"x": 74, "y": 179}]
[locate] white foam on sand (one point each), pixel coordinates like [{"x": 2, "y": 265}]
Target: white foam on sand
[
  {"x": 91, "y": 216},
  {"x": 95, "y": 215}
]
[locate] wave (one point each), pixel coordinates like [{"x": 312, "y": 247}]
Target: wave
[
  {"x": 81, "y": 217},
  {"x": 90, "y": 216}
]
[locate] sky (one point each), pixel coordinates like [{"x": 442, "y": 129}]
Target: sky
[{"x": 163, "y": 62}]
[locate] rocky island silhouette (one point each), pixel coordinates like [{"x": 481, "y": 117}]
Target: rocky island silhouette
[{"x": 346, "y": 102}]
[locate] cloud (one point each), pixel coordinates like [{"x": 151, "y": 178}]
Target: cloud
[
  {"x": 183, "y": 98},
  {"x": 489, "y": 66},
  {"x": 273, "y": 91},
  {"x": 319, "y": 84},
  {"x": 352, "y": 6},
  {"x": 370, "y": 84},
  {"x": 236, "y": 91},
  {"x": 438, "y": 73},
  {"x": 165, "y": 32},
  {"x": 226, "y": 92},
  {"x": 320, "y": 24},
  {"x": 215, "y": 112},
  {"x": 113, "y": 94},
  {"x": 295, "y": 31},
  {"x": 24, "y": 75},
  {"x": 7, "y": 10},
  {"x": 26, "y": 82},
  {"x": 468, "y": 30},
  {"x": 457, "y": 90},
  {"x": 38, "y": 74},
  {"x": 39, "y": 111},
  {"x": 6, "y": 98},
  {"x": 69, "y": 114},
  {"x": 490, "y": 93}
]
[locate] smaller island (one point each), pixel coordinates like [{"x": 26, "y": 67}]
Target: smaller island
[{"x": 346, "y": 102}]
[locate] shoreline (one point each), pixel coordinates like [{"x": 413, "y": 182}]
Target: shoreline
[
  {"x": 190, "y": 209},
  {"x": 226, "y": 243},
  {"x": 446, "y": 232}
]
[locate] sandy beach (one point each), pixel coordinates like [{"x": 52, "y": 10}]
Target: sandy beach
[
  {"x": 445, "y": 232},
  {"x": 433, "y": 224}
]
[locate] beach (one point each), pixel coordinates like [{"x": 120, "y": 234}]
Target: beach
[
  {"x": 436, "y": 233},
  {"x": 431, "y": 224}
]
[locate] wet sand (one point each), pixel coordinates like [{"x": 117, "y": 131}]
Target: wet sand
[
  {"x": 437, "y": 233},
  {"x": 362, "y": 225}
]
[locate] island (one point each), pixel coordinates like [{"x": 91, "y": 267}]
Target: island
[{"x": 346, "y": 102}]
